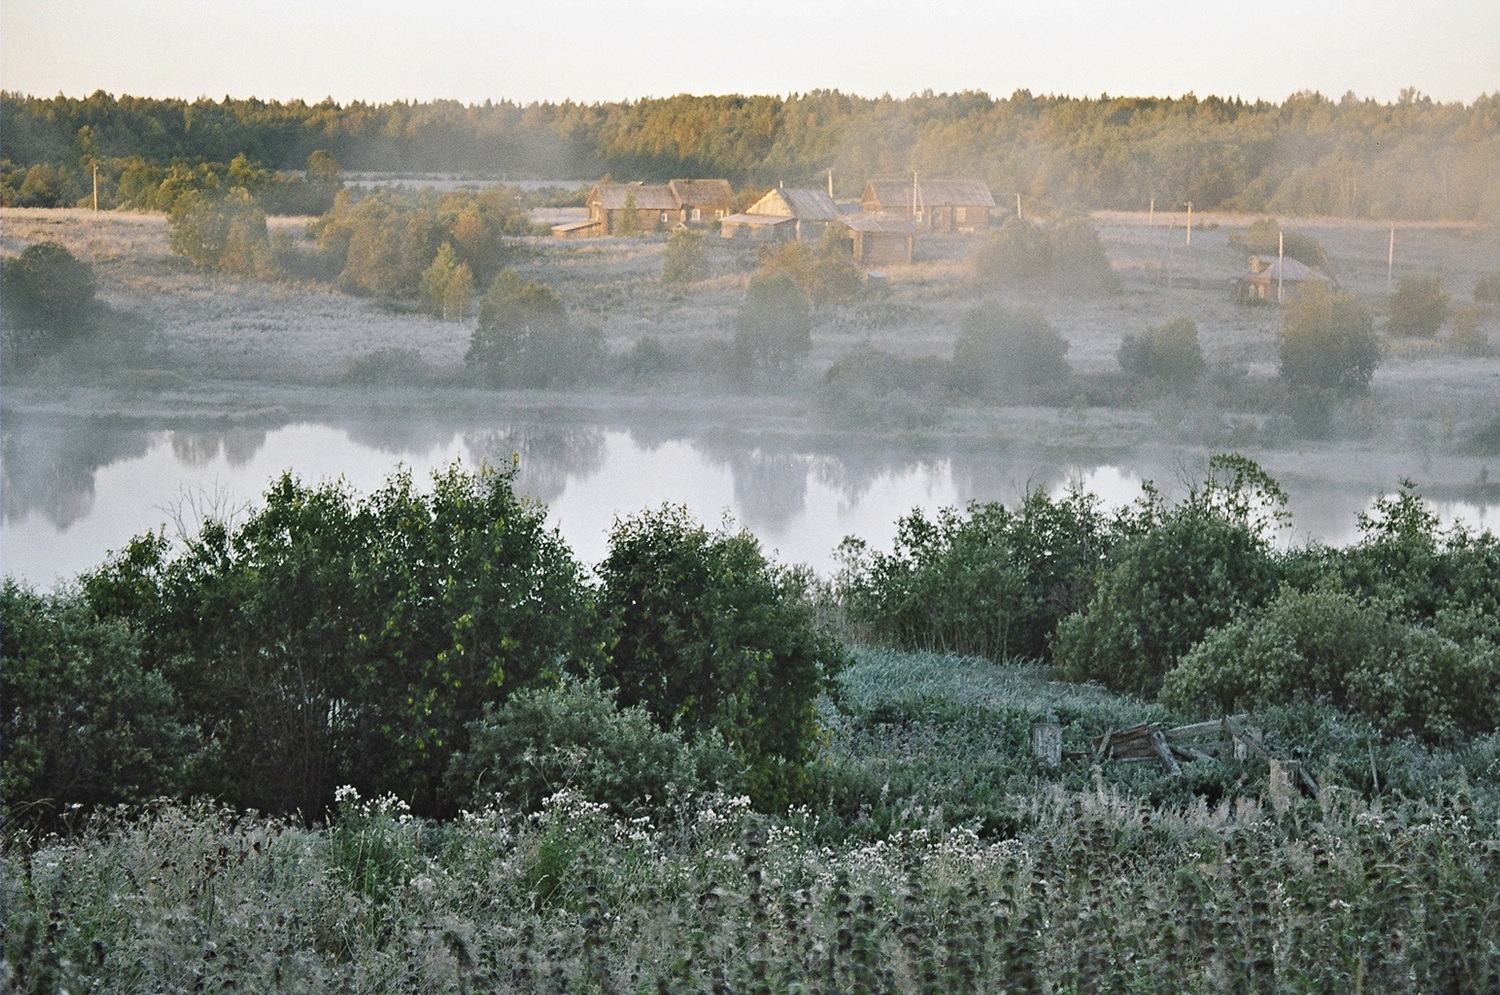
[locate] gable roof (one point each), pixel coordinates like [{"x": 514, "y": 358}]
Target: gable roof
[
  {"x": 1264, "y": 270},
  {"x": 881, "y": 223},
  {"x": 933, "y": 193},
  {"x": 612, "y": 196},
  {"x": 804, "y": 205},
  {"x": 699, "y": 193}
]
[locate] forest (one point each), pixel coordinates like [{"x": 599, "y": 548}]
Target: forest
[{"x": 1312, "y": 155}]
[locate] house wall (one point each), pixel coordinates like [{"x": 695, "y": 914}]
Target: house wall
[{"x": 881, "y": 248}]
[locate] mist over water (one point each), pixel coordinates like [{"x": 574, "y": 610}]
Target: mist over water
[{"x": 75, "y": 489}]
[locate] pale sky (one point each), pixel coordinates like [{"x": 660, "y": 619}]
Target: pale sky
[{"x": 588, "y": 50}]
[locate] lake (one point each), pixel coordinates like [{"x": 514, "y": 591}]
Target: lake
[{"x": 75, "y": 489}]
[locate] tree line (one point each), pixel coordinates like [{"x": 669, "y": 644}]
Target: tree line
[{"x": 1413, "y": 158}]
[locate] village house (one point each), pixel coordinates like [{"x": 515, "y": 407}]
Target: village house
[
  {"x": 783, "y": 214},
  {"x": 881, "y": 239},
  {"x": 654, "y": 207},
  {"x": 702, "y": 202},
  {"x": 934, "y": 205},
  {"x": 1273, "y": 280}
]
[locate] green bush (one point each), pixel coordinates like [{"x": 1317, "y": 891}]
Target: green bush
[
  {"x": 682, "y": 260},
  {"x": 524, "y": 338},
  {"x": 1169, "y": 354},
  {"x": 47, "y": 302},
  {"x": 222, "y": 232},
  {"x": 1327, "y": 645},
  {"x": 826, "y": 275},
  {"x": 993, "y": 583},
  {"x": 1418, "y": 307},
  {"x": 1266, "y": 237},
  {"x": 1327, "y": 342},
  {"x": 1487, "y": 288},
  {"x": 1001, "y": 349},
  {"x": 1067, "y": 256},
  {"x": 1186, "y": 571},
  {"x": 773, "y": 327},
  {"x": 714, "y": 640},
  {"x": 869, "y": 388},
  {"x": 545, "y": 739}
]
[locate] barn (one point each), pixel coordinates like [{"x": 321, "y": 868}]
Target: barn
[
  {"x": 702, "y": 202},
  {"x": 655, "y": 207},
  {"x": 934, "y": 205},
  {"x": 784, "y": 213},
  {"x": 881, "y": 239}
]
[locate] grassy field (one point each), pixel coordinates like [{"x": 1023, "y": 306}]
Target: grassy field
[{"x": 939, "y": 858}]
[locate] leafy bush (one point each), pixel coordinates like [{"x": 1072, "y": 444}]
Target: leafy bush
[
  {"x": 993, "y": 583},
  {"x": 87, "y": 721},
  {"x": 682, "y": 260},
  {"x": 47, "y": 301},
  {"x": 873, "y": 388},
  {"x": 1169, "y": 354},
  {"x": 1418, "y": 307},
  {"x": 1266, "y": 237},
  {"x": 222, "y": 232},
  {"x": 525, "y": 338},
  {"x": 1067, "y": 256},
  {"x": 714, "y": 640},
  {"x": 1000, "y": 349},
  {"x": 1327, "y": 342},
  {"x": 825, "y": 275},
  {"x": 390, "y": 367},
  {"x": 1487, "y": 288},
  {"x": 1186, "y": 571},
  {"x": 1327, "y": 645},
  {"x": 448, "y": 285},
  {"x": 543, "y": 740},
  {"x": 773, "y": 327}
]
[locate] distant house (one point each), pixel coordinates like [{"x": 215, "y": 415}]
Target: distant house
[
  {"x": 784, "y": 213},
  {"x": 881, "y": 239},
  {"x": 934, "y": 205},
  {"x": 702, "y": 202},
  {"x": 1274, "y": 280},
  {"x": 655, "y": 207}
]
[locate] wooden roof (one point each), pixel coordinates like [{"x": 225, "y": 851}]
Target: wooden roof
[
  {"x": 881, "y": 224},
  {"x": 1264, "y": 270},
  {"x": 612, "y": 196},
  {"x": 757, "y": 220},
  {"x": 699, "y": 193},
  {"x": 932, "y": 193},
  {"x": 804, "y": 205}
]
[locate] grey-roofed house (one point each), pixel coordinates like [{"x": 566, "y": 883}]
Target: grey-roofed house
[
  {"x": 934, "y": 205},
  {"x": 702, "y": 202},
  {"x": 881, "y": 239},
  {"x": 655, "y": 206},
  {"x": 784, "y": 213},
  {"x": 1273, "y": 280}
]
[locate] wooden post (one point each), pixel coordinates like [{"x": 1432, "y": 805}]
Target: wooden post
[
  {"x": 1159, "y": 744},
  {"x": 1046, "y": 743},
  {"x": 1190, "y": 224},
  {"x": 1390, "y": 258},
  {"x": 1018, "y": 206}
]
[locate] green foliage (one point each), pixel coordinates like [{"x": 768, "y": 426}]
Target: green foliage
[
  {"x": 544, "y": 740},
  {"x": 1001, "y": 349},
  {"x": 1327, "y": 342},
  {"x": 332, "y": 640},
  {"x": 46, "y": 301},
  {"x": 682, "y": 261},
  {"x": 714, "y": 640},
  {"x": 1418, "y": 307},
  {"x": 1326, "y": 645},
  {"x": 993, "y": 583},
  {"x": 825, "y": 275},
  {"x": 630, "y": 218},
  {"x": 448, "y": 285},
  {"x": 773, "y": 327},
  {"x": 1169, "y": 354},
  {"x": 525, "y": 338},
  {"x": 1187, "y": 570},
  {"x": 375, "y": 843},
  {"x": 1487, "y": 288},
  {"x": 1267, "y": 238},
  {"x": 870, "y": 387},
  {"x": 226, "y": 233},
  {"x": 1066, "y": 256},
  {"x": 87, "y": 721},
  {"x": 390, "y": 367}
]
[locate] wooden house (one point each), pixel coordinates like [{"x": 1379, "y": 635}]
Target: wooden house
[
  {"x": 934, "y": 205},
  {"x": 655, "y": 207},
  {"x": 784, "y": 213},
  {"x": 702, "y": 202},
  {"x": 881, "y": 239},
  {"x": 1273, "y": 280}
]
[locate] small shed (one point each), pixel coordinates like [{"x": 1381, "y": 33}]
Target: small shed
[
  {"x": 1273, "y": 280},
  {"x": 810, "y": 211},
  {"x": 702, "y": 202},
  {"x": 881, "y": 239},
  {"x": 934, "y": 205},
  {"x": 758, "y": 227},
  {"x": 656, "y": 207},
  {"x": 585, "y": 228}
]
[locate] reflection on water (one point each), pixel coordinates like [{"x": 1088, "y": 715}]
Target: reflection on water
[{"x": 75, "y": 489}]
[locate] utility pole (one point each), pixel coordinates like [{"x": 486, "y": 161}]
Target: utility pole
[
  {"x": 1019, "y": 216},
  {"x": 1390, "y": 258},
  {"x": 830, "y": 184},
  {"x": 1280, "y": 261},
  {"x": 1190, "y": 224},
  {"x": 96, "y": 188},
  {"x": 1151, "y": 214}
]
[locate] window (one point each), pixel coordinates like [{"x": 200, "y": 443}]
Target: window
[
  {"x": 663, "y": 217},
  {"x": 697, "y": 214},
  {"x": 963, "y": 214},
  {"x": 719, "y": 215}
]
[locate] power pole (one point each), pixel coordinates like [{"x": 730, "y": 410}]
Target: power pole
[
  {"x": 1019, "y": 216},
  {"x": 1151, "y": 214},
  {"x": 1280, "y": 261},
  {"x": 830, "y": 184},
  {"x": 1190, "y": 224},
  {"x": 1390, "y": 258},
  {"x": 96, "y": 188}
]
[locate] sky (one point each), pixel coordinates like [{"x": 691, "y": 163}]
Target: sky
[{"x": 598, "y": 50}]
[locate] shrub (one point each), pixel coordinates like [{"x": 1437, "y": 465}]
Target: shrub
[
  {"x": 1067, "y": 256},
  {"x": 545, "y": 739},
  {"x": 1487, "y": 288},
  {"x": 1169, "y": 354},
  {"x": 1327, "y": 645},
  {"x": 225, "y": 232},
  {"x": 682, "y": 261},
  {"x": 390, "y": 367},
  {"x": 1418, "y": 307},
  {"x": 47, "y": 301},
  {"x": 1468, "y": 330},
  {"x": 1327, "y": 341},
  {"x": 1187, "y": 570},
  {"x": 993, "y": 583},
  {"x": 873, "y": 388},
  {"x": 524, "y": 338},
  {"x": 714, "y": 640},
  {"x": 773, "y": 328},
  {"x": 1266, "y": 237},
  {"x": 825, "y": 275},
  {"x": 1000, "y": 349},
  {"x": 448, "y": 285}
]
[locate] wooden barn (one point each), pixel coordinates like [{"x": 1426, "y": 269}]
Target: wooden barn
[
  {"x": 934, "y": 205},
  {"x": 784, "y": 213},
  {"x": 702, "y": 202},
  {"x": 1272, "y": 280},
  {"x": 656, "y": 208},
  {"x": 881, "y": 239}
]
